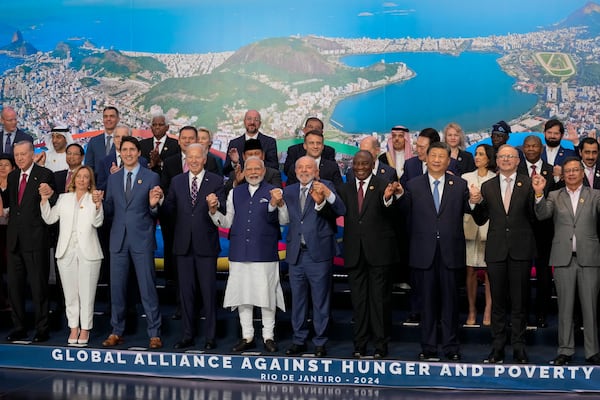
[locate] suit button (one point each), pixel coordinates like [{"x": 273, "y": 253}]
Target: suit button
[
  {"x": 301, "y": 222},
  {"x": 249, "y": 212},
  {"x": 359, "y": 222},
  {"x": 507, "y": 230}
]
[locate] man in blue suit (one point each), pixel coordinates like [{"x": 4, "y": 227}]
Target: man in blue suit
[
  {"x": 196, "y": 243},
  {"x": 554, "y": 154},
  {"x": 311, "y": 208},
  {"x": 437, "y": 202},
  {"x": 252, "y": 122},
  {"x": 132, "y": 198},
  {"x": 99, "y": 146},
  {"x": 10, "y": 134}
]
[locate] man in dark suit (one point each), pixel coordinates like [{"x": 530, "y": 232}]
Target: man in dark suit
[
  {"x": 416, "y": 166},
  {"x": 384, "y": 171},
  {"x": 553, "y": 153},
  {"x": 296, "y": 151},
  {"x": 370, "y": 249},
  {"x": 99, "y": 146},
  {"x": 112, "y": 162},
  {"x": 328, "y": 169},
  {"x": 160, "y": 146},
  {"x": 437, "y": 202},
  {"x": 588, "y": 152},
  {"x": 311, "y": 208},
  {"x": 176, "y": 164},
  {"x": 10, "y": 134},
  {"x": 196, "y": 245},
  {"x": 132, "y": 198},
  {"x": 543, "y": 230},
  {"x": 75, "y": 154},
  {"x": 508, "y": 205},
  {"x": 575, "y": 255},
  {"x": 252, "y": 122},
  {"x": 28, "y": 242},
  {"x": 252, "y": 148}
]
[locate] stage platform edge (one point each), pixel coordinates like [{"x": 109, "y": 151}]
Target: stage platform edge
[{"x": 257, "y": 367}]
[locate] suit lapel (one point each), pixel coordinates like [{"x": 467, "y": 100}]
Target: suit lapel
[
  {"x": 567, "y": 200},
  {"x": 583, "y": 197}
]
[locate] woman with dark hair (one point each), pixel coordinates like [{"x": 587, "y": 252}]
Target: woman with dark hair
[
  {"x": 78, "y": 251},
  {"x": 476, "y": 235},
  {"x": 454, "y": 136}
]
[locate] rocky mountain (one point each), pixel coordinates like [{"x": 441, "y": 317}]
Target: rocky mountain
[
  {"x": 588, "y": 15},
  {"x": 18, "y": 46}
]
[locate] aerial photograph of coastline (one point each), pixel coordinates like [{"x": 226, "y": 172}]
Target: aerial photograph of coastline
[{"x": 361, "y": 66}]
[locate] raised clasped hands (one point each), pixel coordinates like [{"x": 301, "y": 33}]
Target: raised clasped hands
[
  {"x": 474, "y": 194},
  {"x": 276, "y": 197},
  {"x": 213, "y": 203}
]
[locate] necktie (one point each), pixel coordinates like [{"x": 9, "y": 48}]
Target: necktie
[
  {"x": 128, "y": 187},
  {"x": 436, "y": 195},
  {"x": 360, "y": 195},
  {"x": 69, "y": 176},
  {"x": 120, "y": 161},
  {"x": 194, "y": 191},
  {"x": 533, "y": 170},
  {"x": 22, "y": 186},
  {"x": 7, "y": 144},
  {"x": 157, "y": 146},
  {"x": 108, "y": 144},
  {"x": 507, "y": 194},
  {"x": 186, "y": 168},
  {"x": 590, "y": 176},
  {"x": 303, "y": 198}
]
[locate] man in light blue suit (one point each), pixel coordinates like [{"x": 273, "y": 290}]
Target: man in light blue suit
[
  {"x": 132, "y": 197},
  {"x": 99, "y": 146},
  {"x": 311, "y": 208}
]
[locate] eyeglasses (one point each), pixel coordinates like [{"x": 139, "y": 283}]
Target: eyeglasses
[
  {"x": 571, "y": 170},
  {"x": 506, "y": 157}
]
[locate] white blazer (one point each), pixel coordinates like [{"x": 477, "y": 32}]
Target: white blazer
[{"x": 88, "y": 220}]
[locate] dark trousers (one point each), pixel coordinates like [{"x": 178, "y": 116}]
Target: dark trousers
[
  {"x": 32, "y": 267},
  {"x": 310, "y": 281},
  {"x": 509, "y": 284},
  {"x": 370, "y": 291},
  {"x": 439, "y": 289},
  {"x": 197, "y": 274}
]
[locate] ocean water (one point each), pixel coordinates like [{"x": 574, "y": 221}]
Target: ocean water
[
  {"x": 7, "y": 62},
  {"x": 470, "y": 89},
  {"x": 199, "y": 26}
]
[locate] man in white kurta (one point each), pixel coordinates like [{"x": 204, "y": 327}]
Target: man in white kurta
[{"x": 252, "y": 215}]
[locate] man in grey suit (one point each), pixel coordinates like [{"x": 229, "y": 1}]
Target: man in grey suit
[{"x": 575, "y": 255}]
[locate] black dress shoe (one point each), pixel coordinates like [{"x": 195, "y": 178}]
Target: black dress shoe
[
  {"x": 210, "y": 344},
  {"x": 16, "y": 335},
  {"x": 413, "y": 318},
  {"x": 561, "y": 359},
  {"x": 176, "y": 316},
  {"x": 41, "y": 337},
  {"x": 453, "y": 356},
  {"x": 595, "y": 359},
  {"x": 495, "y": 357},
  {"x": 359, "y": 352},
  {"x": 320, "y": 351},
  {"x": 428, "y": 356},
  {"x": 520, "y": 356},
  {"x": 184, "y": 344},
  {"x": 244, "y": 345},
  {"x": 295, "y": 349},
  {"x": 270, "y": 346},
  {"x": 380, "y": 353}
]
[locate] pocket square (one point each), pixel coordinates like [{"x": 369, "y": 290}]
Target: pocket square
[{"x": 263, "y": 200}]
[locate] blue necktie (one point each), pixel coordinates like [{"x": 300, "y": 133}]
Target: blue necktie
[
  {"x": 128, "y": 187},
  {"x": 436, "y": 195},
  {"x": 8, "y": 144}
]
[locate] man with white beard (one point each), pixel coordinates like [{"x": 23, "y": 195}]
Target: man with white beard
[{"x": 253, "y": 216}]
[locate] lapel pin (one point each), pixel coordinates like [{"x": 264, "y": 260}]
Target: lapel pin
[
  {"x": 382, "y": 171},
  {"x": 371, "y": 187},
  {"x": 459, "y": 159},
  {"x": 165, "y": 148},
  {"x": 519, "y": 184},
  {"x": 544, "y": 172},
  {"x": 450, "y": 183},
  {"x": 598, "y": 174},
  {"x": 139, "y": 181},
  {"x": 581, "y": 201}
]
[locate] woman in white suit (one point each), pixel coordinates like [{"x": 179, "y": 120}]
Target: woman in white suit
[
  {"x": 78, "y": 252},
  {"x": 476, "y": 235}
]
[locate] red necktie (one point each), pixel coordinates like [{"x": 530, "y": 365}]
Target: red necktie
[
  {"x": 533, "y": 170},
  {"x": 361, "y": 196},
  {"x": 157, "y": 147},
  {"x": 22, "y": 186},
  {"x": 69, "y": 176}
]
